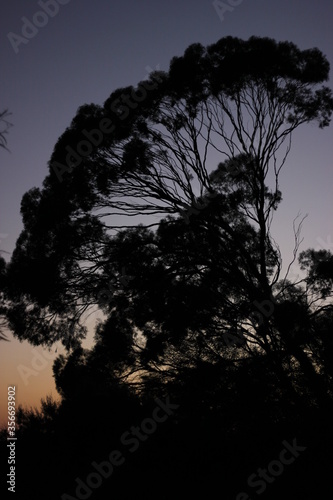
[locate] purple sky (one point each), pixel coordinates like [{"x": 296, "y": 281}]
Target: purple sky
[{"x": 87, "y": 50}]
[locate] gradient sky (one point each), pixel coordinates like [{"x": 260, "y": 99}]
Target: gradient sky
[{"x": 86, "y": 51}]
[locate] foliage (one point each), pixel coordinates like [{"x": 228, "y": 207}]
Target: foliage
[{"x": 164, "y": 228}]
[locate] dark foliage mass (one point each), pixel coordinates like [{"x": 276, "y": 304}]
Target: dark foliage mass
[{"x": 156, "y": 213}]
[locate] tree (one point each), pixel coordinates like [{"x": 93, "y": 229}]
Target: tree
[
  {"x": 151, "y": 151},
  {"x": 5, "y": 125}
]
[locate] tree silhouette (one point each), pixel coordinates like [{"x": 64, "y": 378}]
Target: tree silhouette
[
  {"x": 5, "y": 125},
  {"x": 155, "y": 160},
  {"x": 157, "y": 212},
  {"x": 153, "y": 164}
]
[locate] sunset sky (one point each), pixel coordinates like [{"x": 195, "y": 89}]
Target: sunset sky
[{"x": 89, "y": 49}]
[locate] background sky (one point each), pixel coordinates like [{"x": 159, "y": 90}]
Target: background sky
[{"x": 89, "y": 49}]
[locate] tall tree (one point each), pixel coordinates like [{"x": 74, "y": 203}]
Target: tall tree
[{"x": 151, "y": 151}]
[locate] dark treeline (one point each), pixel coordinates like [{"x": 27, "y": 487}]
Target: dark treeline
[{"x": 211, "y": 370}]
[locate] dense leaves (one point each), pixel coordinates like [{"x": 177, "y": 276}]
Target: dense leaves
[{"x": 156, "y": 214}]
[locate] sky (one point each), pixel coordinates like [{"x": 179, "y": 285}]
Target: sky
[{"x": 79, "y": 53}]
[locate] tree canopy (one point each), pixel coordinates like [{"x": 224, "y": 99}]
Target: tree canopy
[
  {"x": 157, "y": 212},
  {"x": 146, "y": 158}
]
